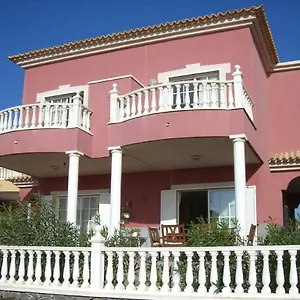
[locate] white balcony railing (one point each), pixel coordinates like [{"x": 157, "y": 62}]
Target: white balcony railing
[
  {"x": 7, "y": 174},
  {"x": 46, "y": 115},
  {"x": 254, "y": 272},
  {"x": 180, "y": 96}
]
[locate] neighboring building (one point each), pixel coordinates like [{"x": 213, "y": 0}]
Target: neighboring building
[{"x": 171, "y": 121}]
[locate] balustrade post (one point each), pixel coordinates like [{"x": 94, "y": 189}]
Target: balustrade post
[
  {"x": 97, "y": 260},
  {"x": 114, "y": 115},
  {"x": 238, "y": 87},
  {"x": 76, "y": 111}
]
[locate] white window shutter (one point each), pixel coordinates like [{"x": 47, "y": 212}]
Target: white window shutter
[
  {"x": 251, "y": 216},
  {"x": 104, "y": 209},
  {"x": 168, "y": 207}
]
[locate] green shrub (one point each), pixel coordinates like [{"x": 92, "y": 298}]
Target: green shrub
[
  {"x": 37, "y": 225},
  {"x": 201, "y": 234},
  {"x": 277, "y": 235}
]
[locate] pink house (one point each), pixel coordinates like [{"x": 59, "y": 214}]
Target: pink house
[{"x": 172, "y": 122}]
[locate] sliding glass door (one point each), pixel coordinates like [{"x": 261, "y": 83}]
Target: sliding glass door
[{"x": 221, "y": 205}]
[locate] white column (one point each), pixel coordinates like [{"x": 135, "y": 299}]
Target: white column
[
  {"x": 73, "y": 185},
  {"x": 240, "y": 180},
  {"x": 115, "y": 188}
]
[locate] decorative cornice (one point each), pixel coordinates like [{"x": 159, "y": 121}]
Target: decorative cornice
[
  {"x": 287, "y": 66},
  {"x": 285, "y": 161},
  {"x": 253, "y": 17}
]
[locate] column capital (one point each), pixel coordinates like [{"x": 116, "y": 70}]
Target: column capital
[
  {"x": 74, "y": 153},
  {"x": 115, "y": 149},
  {"x": 238, "y": 137}
]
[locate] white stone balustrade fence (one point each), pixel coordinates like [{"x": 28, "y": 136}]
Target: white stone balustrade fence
[
  {"x": 254, "y": 272},
  {"x": 46, "y": 115},
  {"x": 180, "y": 96},
  {"x": 7, "y": 174}
]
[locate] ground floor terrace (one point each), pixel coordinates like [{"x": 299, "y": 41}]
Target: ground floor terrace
[
  {"x": 232, "y": 185},
  {"x": 163, "y": 182}
]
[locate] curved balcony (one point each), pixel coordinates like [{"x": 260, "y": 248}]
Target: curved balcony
[
  {"x": 7, "y": 174},
  {"x": 181, "y": 96},
  {"x": 45, "y": 116}
]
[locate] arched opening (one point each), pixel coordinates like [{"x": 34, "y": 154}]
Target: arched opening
[{"x": 291, "y": 201}]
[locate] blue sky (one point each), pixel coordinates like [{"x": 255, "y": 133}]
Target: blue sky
[{"x": 32, "y": 24}]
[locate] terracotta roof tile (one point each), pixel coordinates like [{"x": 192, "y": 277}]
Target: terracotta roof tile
[
  {"x": 258, "y": 12},
  {"x": 285, "y": 158}
]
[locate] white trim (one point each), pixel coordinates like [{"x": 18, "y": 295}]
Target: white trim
[
  {"x": 33, "y": 183},
  {"x": 202, "y": 186},
  {"x": 191, "y": 69},
  {"x": 64, "y": 90},
  {"x": 238, "y": 136},
  {"x": 80, "y": 192},
  {"x": 114, "y": 148},
  {"x": 287, "y": 66},
  {"x": 116, "y": 78},
  {"x": 76, "y": 152},
  {"x": 284, "y": 168}
]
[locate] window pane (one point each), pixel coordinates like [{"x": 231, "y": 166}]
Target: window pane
[
  {"x": 220, "y": 202},
  {"x": 62, "y": 215},
  {"x": 232, "y": 209},
  {"x": 94, "y": 203},
  {"x": 85, "y": 215},
  {"x": 62, "y": 203}
]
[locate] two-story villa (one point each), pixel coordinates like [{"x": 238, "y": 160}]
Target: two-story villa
[{"x": 173, "y": 122}]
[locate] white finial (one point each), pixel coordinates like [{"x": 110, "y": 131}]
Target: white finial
[{"x": 237, "y": 71}]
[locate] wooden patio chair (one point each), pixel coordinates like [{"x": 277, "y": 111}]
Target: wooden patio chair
[
  {"x": 251, "y": 235},
  {"x": 154, "y": 236},
  {"x": 173, "y": 235}
]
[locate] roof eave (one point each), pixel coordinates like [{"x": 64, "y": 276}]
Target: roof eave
[{"x": 254, "y": 18}]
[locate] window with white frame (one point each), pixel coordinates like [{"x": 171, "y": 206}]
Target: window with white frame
[
  {"x": 201, "y": 77},
  {"x": 60, "y": 114},
  {"x": 87, "y": 207},
  {"x": 59, "y": 110},
  {"x": 195, "y": 72}
]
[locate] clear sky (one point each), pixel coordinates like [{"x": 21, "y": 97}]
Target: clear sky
[{"x": 32, "y": 24}]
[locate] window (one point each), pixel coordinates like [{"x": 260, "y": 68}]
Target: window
[
  {"x": 87, "y": 207},
  {"x": 59, "y": 114},
  {"x": 222, "y": 206},
  {"x": 211, "y": 205},
  {"x": 180, "y": 91}
]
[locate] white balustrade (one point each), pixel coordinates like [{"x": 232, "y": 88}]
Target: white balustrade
[
  {"x": 183, "y": 95},
  {"x": 7, "y": 174},
  {"x": 47, "y": 115},
  {"x": 195, "y": 271},
  {"x": 45, "y": 266},
  {"x": 254, "y": 271}
]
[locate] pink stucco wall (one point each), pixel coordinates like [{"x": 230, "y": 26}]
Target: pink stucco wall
[
  {"x": 284, "y": 108},
  {"x": 45, "y": 141}
]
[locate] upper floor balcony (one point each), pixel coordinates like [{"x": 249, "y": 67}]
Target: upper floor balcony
[
  {"x": 67, "y": 113},
  {"x": 182, "y": 95}
]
